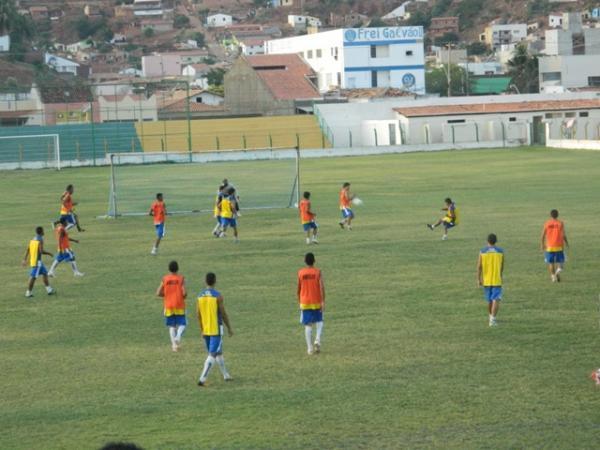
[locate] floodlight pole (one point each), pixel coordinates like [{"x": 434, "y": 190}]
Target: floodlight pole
[
  {"x": 189, "y": 124},
  {"x": 298, "y": 174}
]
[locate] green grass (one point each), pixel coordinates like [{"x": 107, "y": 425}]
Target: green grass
[{"x": 408, "y": 359}]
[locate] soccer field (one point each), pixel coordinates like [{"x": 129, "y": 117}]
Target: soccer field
[{"x": 408, "y": 359}]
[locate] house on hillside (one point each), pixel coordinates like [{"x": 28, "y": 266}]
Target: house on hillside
[
  {"x": 252, "y": 46},
  {"x": 92, "y": 11},
  {"x": 498, "y": 35},
  {"x": 199, "y": 104},
  {"x": 219, "y": 20},
  {"x": 127, "y": 107},
  {"x": 347, "y": 20},
  {"x": 442, "y": 25},
  {"x": 302, "y": 22},
  {"x": 68, "y": 104},
  {"x": 270, "y": 85},
  {"x": 39, "y": 13},
  {"x": 399, "y": 13},
  {"x": 20, "y": 105},
  {"x": 196, "y": 74},
  {"x": 64, "y": 65}
]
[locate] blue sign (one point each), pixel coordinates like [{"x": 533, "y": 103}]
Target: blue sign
[
  {"x": 596, "y": 13},
  {"x": 408, "y": 80},
  {"x": 350, "y": 35},
  {"x": 382, "y": 34}
]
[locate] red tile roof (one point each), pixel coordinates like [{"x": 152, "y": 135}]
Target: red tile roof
[
  {"x": 286, "y": 76},
  {"x": 497, "y": 108}
]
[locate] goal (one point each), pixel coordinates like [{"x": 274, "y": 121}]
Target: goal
[
  {"x": 30, "y": 151},
  {"x": 189, "y": 181}
]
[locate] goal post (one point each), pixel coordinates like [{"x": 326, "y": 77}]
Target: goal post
[
  {"x": 263, "y": 178},
  {"x": 31, "y": 151}
]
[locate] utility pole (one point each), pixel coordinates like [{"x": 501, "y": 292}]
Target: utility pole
[{"x": 448, "y": 46}]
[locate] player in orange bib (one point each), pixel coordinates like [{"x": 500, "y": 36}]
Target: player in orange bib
[
  {"x": 346, "y": 207},
  {"x": 33, "y": 256},
  {"x": 158, "y": 210},
  {"x": 307, "y": 217},
  {"x": 553, "y": 241},
  {"x": 311, "y": 299},
  {"x": 67, "y": 211},
  {"x": 172, "y": 290},
  {"x": 64, "y": 250}
]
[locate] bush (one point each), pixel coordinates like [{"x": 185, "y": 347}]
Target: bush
[{"x": 181, "y": 21}]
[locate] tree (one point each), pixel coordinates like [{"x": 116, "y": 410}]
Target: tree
[
  {"x": 199, "y": 38},
  {"x": 8, "y": 11},
  {"x": 215, "y": 76},
  {"x": 477, "y": 48},
  {"x": 377, "y": 22},
  {"x": 148, "y": 32},
  {"x": 440, "y": 8},
  {"x": 446, "y": 38},
  {"x": 436, "y": 81},
  {"x": 523, "y": 68},
  {"x": 181, "y": 21},
  {"x": 419, "y": 18}
]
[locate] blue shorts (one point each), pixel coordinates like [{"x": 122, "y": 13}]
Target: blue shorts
[
  {"x": 308, "y": 316},
  {"x": 225, "y": 222},
  {"x": 492, "y": 293},
  {"x": 347, "y": 212},
  {"x": 70, "y": 218},
  {"x": 309, "y": 225},
  {"x": 175, "y": 320},
  {"x": 67, "y": 255},
  {"x": 160, "y": 230},
  {"x": 448, "y": 225},
  {"x": 218, "y": 219},
  {"x": 38, "y": 270},
  {"x": 554, "y": 257},
  {"x": 214, "y": 344}
]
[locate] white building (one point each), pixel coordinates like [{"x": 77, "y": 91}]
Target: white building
[
  {"x": 483, "y": 68},
  {"x": 4, "y": 43},
  {"x": 555, "y": 20},
  {"x": 398, "y": 13},
  {"x": 148, "y": 8},
  {"x": 572, "y": 56},
  {"x": 497, "y": 35},
  {"x": 302, "y": 22},
  {"x": 62, "y": 65},
  {"x": 251, "y": 47},
  {"x": 219, "y": 20},
  {"x": 351, "y": 58}
]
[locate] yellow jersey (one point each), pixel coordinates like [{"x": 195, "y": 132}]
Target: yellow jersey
[
  {"x": 35, "y": 251},
  {"x": 492, "y": 260},
  {"x": 208, "y": 307},
  {"x": 227, "y": 207}
]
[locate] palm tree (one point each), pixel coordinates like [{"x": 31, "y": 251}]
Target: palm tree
[
  {"x": 523, "y": 68},
  {"x": 8, "y": 11}
]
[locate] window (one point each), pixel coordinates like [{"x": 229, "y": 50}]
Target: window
[
  {"x": 512, "y": 119},
  {"x": 551, "y": 76},
  {"x": 594, "y": 81},
  {"x": 373, "y": 78},
  {"x": 380, "y": 51},
  {"x": 570, "y": 114},
  {"x": 199, "y": 100},
  {"x": 409, "y": 52},
  {"x": 553, "y": 115},
  {"x": 584, "y": 114},
  {"x": 456, "y": 121},
  {"x": 339, "y": 78},
  {"x": 309, "y": 54},
  {"x": 319, "y": 53}
]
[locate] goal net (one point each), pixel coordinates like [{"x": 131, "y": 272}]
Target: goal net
[
  {"x": 30, "y": 151},
  {"x": 189, "y": 181}
]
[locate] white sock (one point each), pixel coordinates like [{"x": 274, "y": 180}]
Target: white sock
[
  {"x": 210, "y": 361},
  {"x": 180, "y": 330},
  {"x": 308, "y": 336},
  {"x": 27, "y": 292},
  {"x": 48, "y": 288},
  {"x": 172, "y": 335},
  {"x": 74, "y": 266},
  {"x": 216, "y": 228},
  {"x": 53, "y": 266},
  {"x": 319, "y": 332},
  {"x": 221, "y": 363}
]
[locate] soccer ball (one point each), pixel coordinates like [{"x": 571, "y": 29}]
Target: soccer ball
[
  {"x": 295, "y": 205},
  {"x": 595, "y": 376},
  {"x": 357, "y": 201}
]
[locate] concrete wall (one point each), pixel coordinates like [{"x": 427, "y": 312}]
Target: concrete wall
[
  {"x": 574, "y": 69},
  {"x": 246, "y": 94}
]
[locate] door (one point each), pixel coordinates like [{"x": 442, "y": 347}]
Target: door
[{"x": 539, "y": 131}]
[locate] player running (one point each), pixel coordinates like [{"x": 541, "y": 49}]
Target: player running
[
  {"x": 450, "y": 220},
  {"x": 211, "y": 317},
  {"x": 307, "y": 217},
  {"x": 553, "y": 240},
  {"x": 311, "y": 299},
  {"x": 64, "y": 250},
  {"x": 346, "y": 207},
  {"x": 159, "y": 211},
  {"x": 67, "y": 211},
  {"x": 172, "y": 290},
  {"x": 490, "y": 266},
  {"x": 228, "y": 208},
  {"x": 34, "y": 253}
]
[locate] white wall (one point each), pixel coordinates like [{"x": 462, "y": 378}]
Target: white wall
[
  {"x": 574, "y": 69},
  {"x": 219, "y": 20}
]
